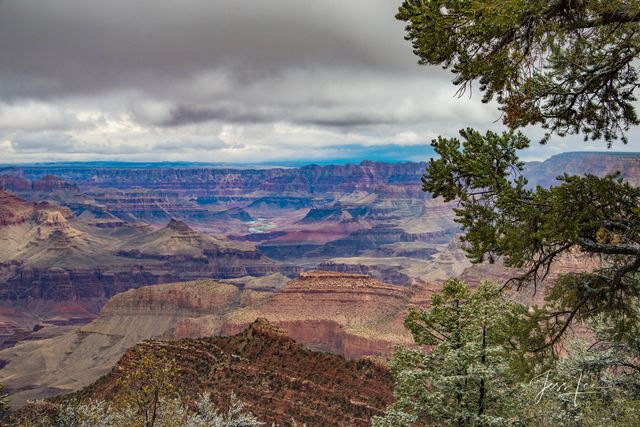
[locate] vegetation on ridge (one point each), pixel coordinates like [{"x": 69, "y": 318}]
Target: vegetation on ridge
[
  {"x": 276, "y": 379},
  {"x": 468, "y": 375}
]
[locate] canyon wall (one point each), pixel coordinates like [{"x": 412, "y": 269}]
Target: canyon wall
[
  {"x": 312, "y": 178},
  {"x": 59, "y": 270},
  {"x": 346, "y": 314}
]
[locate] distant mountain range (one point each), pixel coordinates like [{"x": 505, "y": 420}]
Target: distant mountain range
[{"x": 81, "y": 171}]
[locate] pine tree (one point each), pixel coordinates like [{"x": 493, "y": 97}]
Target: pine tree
[
  {"x": 531, "y": 229},
  {"x": 598, "y": 382},
  {"x": 568, "y": 65},
  {"x": 461, "y": 372}
]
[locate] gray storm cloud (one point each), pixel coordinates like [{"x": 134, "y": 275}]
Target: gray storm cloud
[
  {"x": 216, "y": 80},
  {"x": 64, "y": 47}
]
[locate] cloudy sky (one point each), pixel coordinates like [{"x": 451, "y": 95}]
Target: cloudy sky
[{"x": 225, "y": 81}]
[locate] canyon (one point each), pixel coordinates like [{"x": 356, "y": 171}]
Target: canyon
[
  {"x": 351, "y": 315},
  {"x": 75, "y": 235},
  {"x": 344, "y": 314},
  {"x": 57, "y": 269},
  {"x": 333, "y": 255}
]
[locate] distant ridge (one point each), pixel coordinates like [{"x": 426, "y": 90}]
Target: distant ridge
[
  {"x": 584, "y": 162},
  {"x": 8, "y": 167},
  {"x": 226, "y": 179},
  {"x": 147, "y": 165},
  {"x": 609, "y": 153}
]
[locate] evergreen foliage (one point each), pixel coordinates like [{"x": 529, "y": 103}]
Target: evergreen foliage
[
  {"x": 532, "y": 228},
  {"x": 170, "y": 412},
  {"x": 596, "y": 383},
  {"x": 145, "y": 396},
  {"x": 462, "y": 370},
  {"x": 4, "y": 401},
  {"x": 568, "y": 65}
]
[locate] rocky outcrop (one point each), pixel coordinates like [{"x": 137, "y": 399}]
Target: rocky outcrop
[
  {"x": 14, "y": 183},
  {"x": 580, "y": 163},
  {"x": 154, "y": 311},
  {"x": 356, "y": 243},
  {"x": 141, "y": 204},
  {"x": 330, "y": 336},
  {"x": 82, "y": 284},
  {"x": 14, "y": 210},
  {"x": 443, "y": 262},
  {"x": 51, "y": 183},
  {"x": 278, "y": 380},
  {"x": 390, "y": 273},
  {"x": 46, "y": 184}
]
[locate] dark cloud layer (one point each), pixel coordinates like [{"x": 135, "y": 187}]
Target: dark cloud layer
[
  {"x": 217, "y": 80},
  {"x": 60, "y": 47},
  {"x": 183, "y": 115}
]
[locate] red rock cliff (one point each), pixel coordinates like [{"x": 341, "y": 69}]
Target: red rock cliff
[{"x": 348, "y": 314}]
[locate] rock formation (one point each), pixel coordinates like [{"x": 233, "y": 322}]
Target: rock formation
[
  {"x": 14, "y": 210},
  {"x": 580, "y": 163},
  {"x": 348, "y": 314},
  {"x": 46, "y": 184},
  {"x": 61, "y": 364},
  {"x": 278, "y": 380},
  {"x": 50, "y": 261}
]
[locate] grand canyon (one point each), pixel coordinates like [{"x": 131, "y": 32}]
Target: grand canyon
[
  {"x": 333, "y": 255},
  {"x": 289, "y": 213}
]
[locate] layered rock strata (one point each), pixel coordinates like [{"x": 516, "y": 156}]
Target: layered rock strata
[
  {"x": 278, "y": 380},
  {"x": 65, "y": 363},
  {"x": 50, "y": 262},
  {"x": 348, "y": 314}
]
